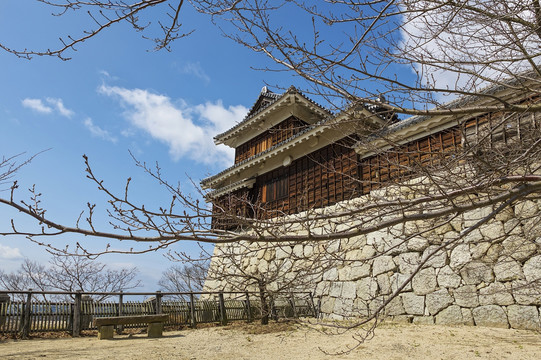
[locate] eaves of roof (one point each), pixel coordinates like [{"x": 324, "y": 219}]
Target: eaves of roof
[{"x": 249, "y": 118}]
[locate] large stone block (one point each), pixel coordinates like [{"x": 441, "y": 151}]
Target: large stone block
[
  {"x": 451, "y": 315},
  {"x": 383, "y": 264},
  {"x": 466, "y": 296},
  {"x": 523, "y": 317},
  {"x": 518, "y": 247},
  {"x": 495, "y": 294},
  {"x": 408, "y": 262},
  {"x": 417, "y": 243},
  {"x": 437, "y": 301},
  {"x": 349, "y": 290},
  {"x": 532, "y": 270},
  {"x": 438, "y": 258},
  {"x": 490, "y": 316},
  {"x": 424, "y": 282},
  {"x": 384, "y": 284},
  {"x": 526, "y": 209},
  {"x": 476, "y": 272},
  {"x": 460, "y": 256},
  {"x": 397, "y": 280},
  {"x": 336, "y": 289},
  {"x": 367, "y": 288},
  {"x": 526, "y": 293},
  {"x": 448, "y": 278},
  {"x": 472, "y": 217},
  {"x": 507, "y": 269},
  {"x": 413, "y": 304}
]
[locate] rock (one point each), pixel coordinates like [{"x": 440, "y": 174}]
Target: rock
[
  {"x": 507, "y": 269},
  {"x": 495, "y": 294},
  {"x": 283, "y": 252},
  {"x": 336, "y": 289},
  {"x": 344, "y": 273},
  {"x": 298, "y": 251},
  {"x": 308, "y": 250},
  {"x": 349, "y": 290},
  {"x": 384, "y": 284},
  {"x": 437, "y": 301},
  {"x": 523, "y": 317},
  {"x": 382, "y": 264},
  {"x": 479, "y": 250},
  {"x": 417, "y": 243},
  {"x": 408, "y": 262},
  {"x": 467, "y": 317},
  {"x": 367, "y": 288},
  {"x": 359, "y": 270},
  {"x": 322, "y": 288},
  {"x": 472, "y": 217},
  {"x": 331, "y": 274},
  {"x": 474, "y": 236},
  {"x": 466, "y": 296},
  {"x": 476, "y": 272},
  {"x": 513, "y": 227},
  {"x": 448, "y": 278},
  {"x": 423, "y": 320},
  {"x": 367, "y": 252},
  {"x": 451, "y": 315},
  {"x": 518, "y": 247},
  {"x": 413, "y": 304},
  {"x": 492, "y": 231},
  {"x": 493, "y": 254},
  {"x": 526, "y": 293},
  {"x": 526, "y": 209},
  {"x": 460, "y": 256},
  {"x": 505, "y": 214},
  {"x": 438, "y": 260},
  {"x": 343, "y": 307},
  {"x": 397, "y": 280},
  {"x": 424, "y": 282},
  {"x": 490, "y": 316},
  {"x": 327, "y": 304},
  {"x": 532, "y": 269},
  {"x": 395, "y": 307},
  {"x": 443, "y": 229}
]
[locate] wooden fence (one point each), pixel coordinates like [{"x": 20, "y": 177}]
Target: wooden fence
[{"x": 33, "y": 312}]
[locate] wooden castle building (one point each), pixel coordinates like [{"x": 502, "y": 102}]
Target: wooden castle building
[{"x": 292, "y": 154}]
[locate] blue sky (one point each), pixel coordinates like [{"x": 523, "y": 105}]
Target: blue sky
[{"x": 113, "y": 97}]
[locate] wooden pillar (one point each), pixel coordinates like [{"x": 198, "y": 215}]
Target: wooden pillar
[
  {"x": 76, "y": 330},
  {"x": 159, "y": 302},
  {"x": 223, "y": 315},
  {"x": 120, "y": 311},
  {"x": 193, "y": 320},
  {"x": 26, "y": 322}
]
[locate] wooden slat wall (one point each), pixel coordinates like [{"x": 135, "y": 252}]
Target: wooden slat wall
[{"x": 269, "y": 138}]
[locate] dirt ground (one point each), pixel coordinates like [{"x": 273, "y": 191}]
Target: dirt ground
[{"x": 391, "y": 341}]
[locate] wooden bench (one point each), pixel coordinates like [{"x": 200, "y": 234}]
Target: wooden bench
[{"x": 106, "y": 324}]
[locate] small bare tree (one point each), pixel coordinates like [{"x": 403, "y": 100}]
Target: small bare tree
[
  {"x": 184, "y": 278},
  {"x": 70, "y": 273}
]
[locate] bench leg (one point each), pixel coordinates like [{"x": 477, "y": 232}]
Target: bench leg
[
  {"x": 105, "y": 332},
  {"x": 155, "y": 330}
]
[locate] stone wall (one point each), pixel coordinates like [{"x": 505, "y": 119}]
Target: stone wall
[{"x": 491, "y": 277}]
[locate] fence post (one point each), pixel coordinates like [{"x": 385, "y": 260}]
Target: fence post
[
  {"x": 193, "y": 321},
  {"x": 274, "y": 312},
  {"x": 293, "y": 307},
  {"x": 77, "y": 314},
  {"x": 248, "y": 308},
  {"x": 27, "y": 313},
  {"x": 120, "y": 328},
  {"x": 223, "y": 315},
  {"x": 158, "y": 302}
]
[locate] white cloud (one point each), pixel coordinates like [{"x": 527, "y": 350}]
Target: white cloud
[
  {"x": 59, "y": 104},
  {"x": 196, "y": 70},
  {"x": 463, "y": 50},
  {"x": 187, "y": 131},
  {"x": 9, "y": 253},
  {"x": 37, "y": 105},
  {"x": 97, "y": 131},
  {"x": 54, "y": 104}
]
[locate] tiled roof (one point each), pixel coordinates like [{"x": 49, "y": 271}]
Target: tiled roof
[{"x": 273, "y": 97}]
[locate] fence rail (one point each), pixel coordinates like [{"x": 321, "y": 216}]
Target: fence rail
[{"x": 29, "y": 311}]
